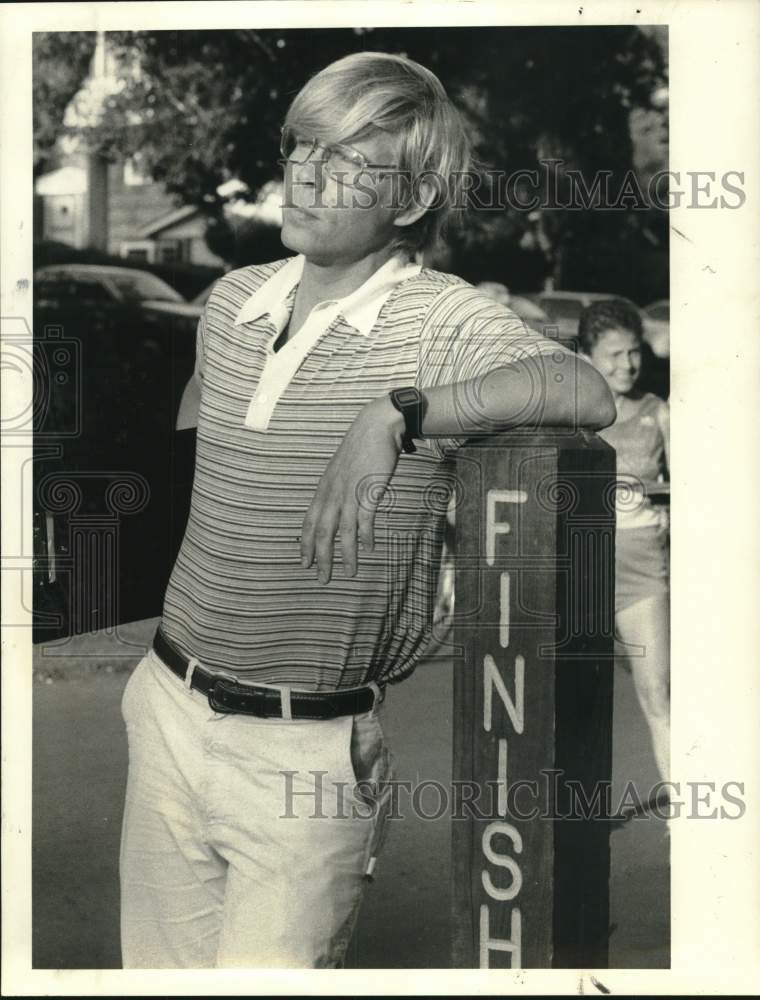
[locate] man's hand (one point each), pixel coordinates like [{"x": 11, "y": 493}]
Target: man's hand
[{"x": 351, "y": 488}]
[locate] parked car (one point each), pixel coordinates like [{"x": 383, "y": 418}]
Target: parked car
[
  {"x": 564, "y": 308},
  {"x": 657, "y": 327},
  {"x": 659, "y": 310},
  {"x": 95, "y": 285},
  {"x": 531, "y": 314}
]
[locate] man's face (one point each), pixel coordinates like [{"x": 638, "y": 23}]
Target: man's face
[{"x": 332, "y": 222}]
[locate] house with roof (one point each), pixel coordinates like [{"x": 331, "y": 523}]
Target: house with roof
[
  {"x": 112, "y": 207},
  {"x": 117, "y": 207}
]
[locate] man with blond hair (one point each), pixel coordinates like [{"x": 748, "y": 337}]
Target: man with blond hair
[{"x": 335, "y": 387}]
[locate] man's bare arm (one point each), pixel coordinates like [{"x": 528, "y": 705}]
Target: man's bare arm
[
  {"x": 544, "y": 390},
  {"x": 559, "y": 390}
]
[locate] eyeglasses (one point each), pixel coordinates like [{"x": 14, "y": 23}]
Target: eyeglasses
[{"x": 342, "y": 163}]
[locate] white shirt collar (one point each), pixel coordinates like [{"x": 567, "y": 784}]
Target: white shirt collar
[{"x": 361, "y": 308}]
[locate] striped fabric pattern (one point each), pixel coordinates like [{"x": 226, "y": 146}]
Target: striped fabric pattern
[{"x": 238, "y": 599}]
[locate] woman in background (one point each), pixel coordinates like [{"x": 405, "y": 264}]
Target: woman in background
[{"x": 610, "y": 334}]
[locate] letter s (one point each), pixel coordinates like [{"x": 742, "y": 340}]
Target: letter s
[
  {"x": 732, "y": 189},
  {"x": 502, "y": 860},
  {"x": 733, "y": 800}
]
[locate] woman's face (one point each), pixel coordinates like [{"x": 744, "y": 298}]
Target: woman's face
[{"x": 617, "y": 356}]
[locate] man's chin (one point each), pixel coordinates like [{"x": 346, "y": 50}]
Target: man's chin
[
  {"x": 302, "y": 238},
  {"x": 294, "y": 240},
  {"x": 316, "y": 251}
]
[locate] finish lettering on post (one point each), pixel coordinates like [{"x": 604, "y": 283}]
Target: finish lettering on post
[
  {"x": 494, "y": 527},
  {"x": 513, "y": 945},
  {"x": 515, "y": 709},
  {"x": 502, "y": 861},
  {"x": 534, "y": 577}
]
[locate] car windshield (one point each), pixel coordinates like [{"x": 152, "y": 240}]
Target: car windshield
[
  {"x": 141, "y": 285},
  {"x": 566, "y": 308}
]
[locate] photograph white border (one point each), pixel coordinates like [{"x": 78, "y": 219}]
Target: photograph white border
[{"x": 715, "y": 322}]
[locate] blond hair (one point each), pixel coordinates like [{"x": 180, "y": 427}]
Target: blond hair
[{"x": 365, "y": 91}]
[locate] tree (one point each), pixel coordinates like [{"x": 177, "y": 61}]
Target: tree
[
  {"x": 60, "y": 61},
  {"x": 205, "y": 106}
]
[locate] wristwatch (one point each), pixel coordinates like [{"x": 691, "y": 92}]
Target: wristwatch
[{"x": 411, "y": 403}]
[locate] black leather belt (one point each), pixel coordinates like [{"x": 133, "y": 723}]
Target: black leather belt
[{"x": 226, "y": 694}]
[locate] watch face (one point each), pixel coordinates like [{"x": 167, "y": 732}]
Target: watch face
[{"x": 407, "y": 397}]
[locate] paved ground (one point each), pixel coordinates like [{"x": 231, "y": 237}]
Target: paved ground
[{"x": 78, "y": 781}]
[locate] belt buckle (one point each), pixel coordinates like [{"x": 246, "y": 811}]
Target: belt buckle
[
  {"x": 223, "y": 675},
  {"x": 252, "y": 690},
  {"x": 217, "y": 677}
]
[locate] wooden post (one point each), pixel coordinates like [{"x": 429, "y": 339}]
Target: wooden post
[{"x": 533, "y": 701}]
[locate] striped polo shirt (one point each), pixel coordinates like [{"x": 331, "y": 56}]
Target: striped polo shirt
[{"x": 238, "y": 599}]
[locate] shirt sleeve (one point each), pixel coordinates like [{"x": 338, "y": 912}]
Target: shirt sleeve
[
  {"x": 467, "y": 335},
  {"x": 189, "y": 405},
  {"x": 200, "y": 347}
]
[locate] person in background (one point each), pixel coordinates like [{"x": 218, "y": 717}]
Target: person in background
[{"x": 610, "y": 335}]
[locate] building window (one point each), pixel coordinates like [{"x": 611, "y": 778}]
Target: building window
[
  {"x": 173, "y": 251},
  {"x": 138, "y": 250}
]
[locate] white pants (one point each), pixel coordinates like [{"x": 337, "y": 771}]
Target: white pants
[{"x": 245, "y": 841}]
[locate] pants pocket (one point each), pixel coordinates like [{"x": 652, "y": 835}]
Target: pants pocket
[
  {"x": 370, "y": 758},
  {"x": 130, "y": 690}
]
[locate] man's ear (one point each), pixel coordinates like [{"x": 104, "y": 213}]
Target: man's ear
[{"x": 424, "y": 196}]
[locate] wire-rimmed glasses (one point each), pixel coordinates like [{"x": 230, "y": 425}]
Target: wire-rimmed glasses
[{"x": 343, "y": 163}]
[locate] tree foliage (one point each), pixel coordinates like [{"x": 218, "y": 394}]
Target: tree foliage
[
  {"x": 205, "y": 106},
  {"x": 60, "y": 61}
]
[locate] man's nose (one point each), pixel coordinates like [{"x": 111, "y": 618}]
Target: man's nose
[
  {"x": 310, "y": 174},
  {"x": 310, "y": 171}
]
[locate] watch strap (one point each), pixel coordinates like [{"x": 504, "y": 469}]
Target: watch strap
[{"x": 411, "y": 403}]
